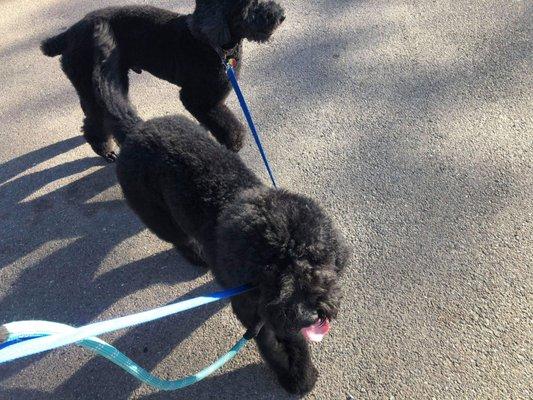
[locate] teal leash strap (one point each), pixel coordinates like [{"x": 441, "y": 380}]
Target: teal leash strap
[
  {"x": 50, "y": 342},
  {"x": 23, "y": 338},
  {"x": 118, "y": 358},
  {"x": 28, "y": 330}
]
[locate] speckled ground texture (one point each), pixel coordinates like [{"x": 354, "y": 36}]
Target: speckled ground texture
[{"x": 410, "y": 121}]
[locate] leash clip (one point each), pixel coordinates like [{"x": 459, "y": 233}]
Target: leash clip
[
  {"x": 231, "y": 62},
  {"x": 254, "y": 331}
]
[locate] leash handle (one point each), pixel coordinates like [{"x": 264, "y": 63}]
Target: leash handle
[{"x": 248, "y": 115}]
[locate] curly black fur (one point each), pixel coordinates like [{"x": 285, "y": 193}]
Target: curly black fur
[
  {"x": 182, "y": 49},
  {"x": 193, "y": 192}
]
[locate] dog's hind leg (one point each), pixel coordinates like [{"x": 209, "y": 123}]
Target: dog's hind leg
[
  {"x": 165, "y": 230},
  {"x": 95, "y": 133},
  {"x": 79, "y": 72},
  {"x": 108, "y": 121},
  {"x": 212, "y": 113},
  {"x": 160, "y": 222},
  {"x": 189, "y": 249}
]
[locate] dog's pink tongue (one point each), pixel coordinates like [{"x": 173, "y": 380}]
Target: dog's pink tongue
[{"x": 317, "y": 331}]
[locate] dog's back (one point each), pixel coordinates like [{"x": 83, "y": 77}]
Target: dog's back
[
  {"x": 174, "y": 164},
  {"x": 137, "y": 23}
]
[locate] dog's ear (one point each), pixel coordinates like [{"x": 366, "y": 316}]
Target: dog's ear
[{"x": 209, "y": 22}]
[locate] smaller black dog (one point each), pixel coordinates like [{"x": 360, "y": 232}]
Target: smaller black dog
[
  {"x": 192, "y": 192},
  {"x": 185, "y": 50}
]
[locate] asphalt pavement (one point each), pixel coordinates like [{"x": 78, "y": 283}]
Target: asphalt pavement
[{"x": 409, "y": 121}]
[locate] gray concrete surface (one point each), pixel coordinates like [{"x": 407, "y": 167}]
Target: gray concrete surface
[{"x": 410, "y": 121}]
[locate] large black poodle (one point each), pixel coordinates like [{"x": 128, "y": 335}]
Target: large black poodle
[
  {"x": 185, "y": 50},
  {"x": 193, "y": 192}
]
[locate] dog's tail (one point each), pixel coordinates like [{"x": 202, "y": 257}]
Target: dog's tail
[
  {"x": 108, "y": 85},
  {"x": 55, "y": 45}
]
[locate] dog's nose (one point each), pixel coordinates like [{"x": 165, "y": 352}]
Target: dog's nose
[{"x": 282, "y": 19}]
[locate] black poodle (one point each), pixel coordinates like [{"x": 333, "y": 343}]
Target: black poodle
[
  {"x": 193, "y": 192},
  {"x": 186, "y": 50}
]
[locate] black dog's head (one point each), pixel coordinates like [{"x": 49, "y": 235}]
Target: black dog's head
[
  {"x": 225, "y": 22},
  {"x": 259, "y": 20},
  {"x": 288, "y": 247}
]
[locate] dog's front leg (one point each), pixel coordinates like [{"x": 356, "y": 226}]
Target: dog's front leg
[
  {"x": 213, "y": 114},
  {"x": 290, "y": 359}
]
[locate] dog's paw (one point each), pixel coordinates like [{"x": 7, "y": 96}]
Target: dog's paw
[
  {"x": 235, "y": 146},
  {"x": 236, "y": 141},
  {"x": 106, "y": 150},
  {"x": 110, "y": 156},
  {"x": 299, "y": 383}
]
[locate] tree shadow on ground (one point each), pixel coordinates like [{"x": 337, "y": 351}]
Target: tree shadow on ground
[
  {"x": 59, "y": 284},
  {"x": 238, "y": 384}
]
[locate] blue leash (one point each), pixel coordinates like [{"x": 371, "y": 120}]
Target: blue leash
[
  {"x": 247, "y": 114},
  {"x": 26, "y": 338}
]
